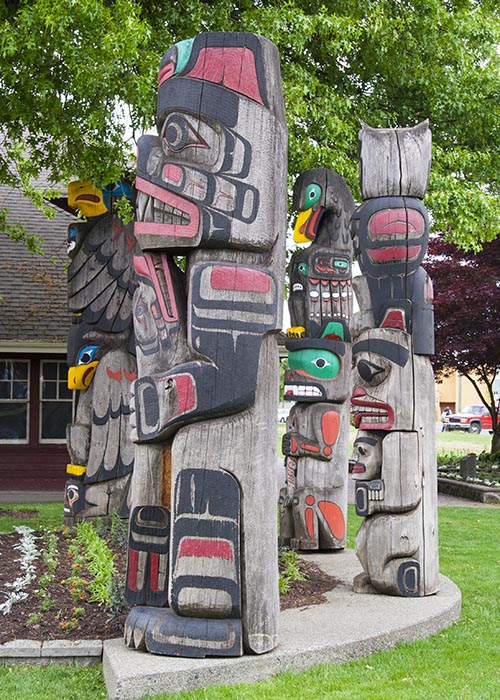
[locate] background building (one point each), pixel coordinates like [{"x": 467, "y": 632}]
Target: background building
[{"x": 35, "y": 403}]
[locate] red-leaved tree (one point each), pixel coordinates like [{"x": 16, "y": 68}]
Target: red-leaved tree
[{"x": 467, "y": 317}]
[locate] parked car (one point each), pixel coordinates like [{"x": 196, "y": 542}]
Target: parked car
[{"x": 472, "y": 419}]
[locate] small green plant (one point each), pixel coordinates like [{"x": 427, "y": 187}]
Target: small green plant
[
  {"x": 78, "y": 612},
  {"x": 118, "y": 530},
  {"x": 46, "y": 603},
  {"x": 289, "y": 570},
  {"x": 99, "y": 560},
  {"x": 34, "y": 619}
]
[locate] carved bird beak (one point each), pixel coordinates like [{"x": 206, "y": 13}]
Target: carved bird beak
[
  {"x": 80, "y": 377},
  {"x": 305, "y": 226}
]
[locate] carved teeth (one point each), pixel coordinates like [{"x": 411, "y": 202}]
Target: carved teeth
[
  {"x": 150, "y": 209},
  {"x": 297, "y": 287},
  {"x": 302, "y": 390}
]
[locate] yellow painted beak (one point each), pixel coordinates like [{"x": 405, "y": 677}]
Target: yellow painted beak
[
  {"x": 84, "y": 196},
  {"x": 299, "y": 235},
  {"x": 80, "y": 377}
]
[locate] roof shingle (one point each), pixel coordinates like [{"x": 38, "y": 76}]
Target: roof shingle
[{"x": 33, "y": 296}]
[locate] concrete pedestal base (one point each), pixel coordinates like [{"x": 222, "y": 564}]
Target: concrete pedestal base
[{"x": 346, "y": 627}]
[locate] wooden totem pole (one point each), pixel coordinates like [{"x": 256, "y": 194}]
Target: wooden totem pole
[
  {"x": 313, "y": 504},
  {"x": 101, "y": 354},
  {"x": 394, "y": 460},
  {"x": 211, "y": 189}
]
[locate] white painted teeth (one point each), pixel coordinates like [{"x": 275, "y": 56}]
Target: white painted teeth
[
  {"x": 302, "y": 390},
  {"x": 150, "y": 209},
  {"x": 297, "y": 287}
]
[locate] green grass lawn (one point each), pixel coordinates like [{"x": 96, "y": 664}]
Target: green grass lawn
[{"x": 460, "y": 663}]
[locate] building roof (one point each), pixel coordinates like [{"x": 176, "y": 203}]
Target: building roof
[{"x": 33, "y": 296}]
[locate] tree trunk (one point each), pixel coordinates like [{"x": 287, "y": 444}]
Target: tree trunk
[{"x": 495, "y": 440}]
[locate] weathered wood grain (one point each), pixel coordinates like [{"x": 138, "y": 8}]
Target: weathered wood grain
[
  {"x": 313, "y": 504},
  {"x": 394, "y": 458},
  {"x": 101, "y": 284},
  {"x": 394, "y": 161},
  {"x": 212, "y": 188}
]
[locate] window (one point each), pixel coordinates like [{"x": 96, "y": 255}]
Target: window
[
  {"x": 56, "y": 401},
  {"x": 14, "y": 400}
]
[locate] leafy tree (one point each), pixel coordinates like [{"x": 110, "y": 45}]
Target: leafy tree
[
  {"x": 467, "y": 317},
  {"x": 78, "y": 76}
]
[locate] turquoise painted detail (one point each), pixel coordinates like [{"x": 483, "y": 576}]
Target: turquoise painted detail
[
  {"x": 313, "y": 193},
  {"x": 321, "y": 364},
  {"x": 184, "y": 49},
  {"x": 334, "y": 328}
]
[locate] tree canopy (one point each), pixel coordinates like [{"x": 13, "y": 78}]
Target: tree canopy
[
  {"x": 79, "y": 76},
  {"x": 467, "y": 316}
]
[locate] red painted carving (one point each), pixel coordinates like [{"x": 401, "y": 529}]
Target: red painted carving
[
  {"x": 407, "y": 222},
  {"x": 188, "y": 230},
  {"x": 233, "y": 67},
  {"x": 330, "y": 424},
  {"x": 209, "y": 548},
  {"x": 117, "y": 376},
  {"x": 334, "y": 517},
  {"x": 240, "y": 279}
]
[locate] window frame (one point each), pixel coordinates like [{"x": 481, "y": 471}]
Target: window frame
[
  {"x": 42, "y": 400},
  {"x": 26, "y": 401}
]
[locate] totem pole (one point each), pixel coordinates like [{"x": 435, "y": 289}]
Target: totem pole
[
  {"x": 101, "y": 354},
  {"x": 212, "y": 189},
  {"x": 394, "y": 459},
  {"x": 313, "y": 504}
]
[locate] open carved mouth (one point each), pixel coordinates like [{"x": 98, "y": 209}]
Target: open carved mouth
[
  {"x": 307, "y": 391},
  {"x": 151, "y": 209},
  {"x": 161, "y": 212},
  {"x": 369, "y": 413},
  {"x": 358, "y": 468}
]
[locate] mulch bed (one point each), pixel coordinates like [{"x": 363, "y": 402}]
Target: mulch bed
[{"x": 96, "y": 622}]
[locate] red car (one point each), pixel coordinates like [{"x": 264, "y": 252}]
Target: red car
[{"x": 472, "y": 419}]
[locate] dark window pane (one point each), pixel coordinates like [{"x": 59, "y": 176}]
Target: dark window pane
[
  {"x": 55, "y": 416},
  {"x": 20, "y": 370},
  {"x": 49, "y": 390},
  {"x": 49, "y": 370},
  {"x": 64, "y": 392},
  {"x": 4, "y": 370},
  {"x": 19, "y": 389},
  {"x": 5, "y": 389},
  {"x": 13, "y": 421}
]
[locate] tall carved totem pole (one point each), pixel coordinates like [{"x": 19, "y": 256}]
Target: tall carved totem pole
[
  {"x": 313, "y": 504},
  {"x": 394, "y": 460},
  {"x": 101, "y": 354},
  {"x": 202, "y": 568}
]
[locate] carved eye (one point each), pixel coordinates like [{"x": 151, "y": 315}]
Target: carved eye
[
  {"x": 302, "y": 268},
  {"x": 371, "y": 373},
  {"x": 320, "y": 362},
  {"x": 178, "y": 134},
  {"x": 316, "y": 363},
  {"x": 313, "y": 193},
  {"x": 87, "y": 354}
]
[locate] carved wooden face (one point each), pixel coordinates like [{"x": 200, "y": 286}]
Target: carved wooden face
[
  {"x": 203, "y": 178},
  {"x": 383, "y": 394},
  {"x": 319, "y": 371},
  {"x": 366, "y": 459}
]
